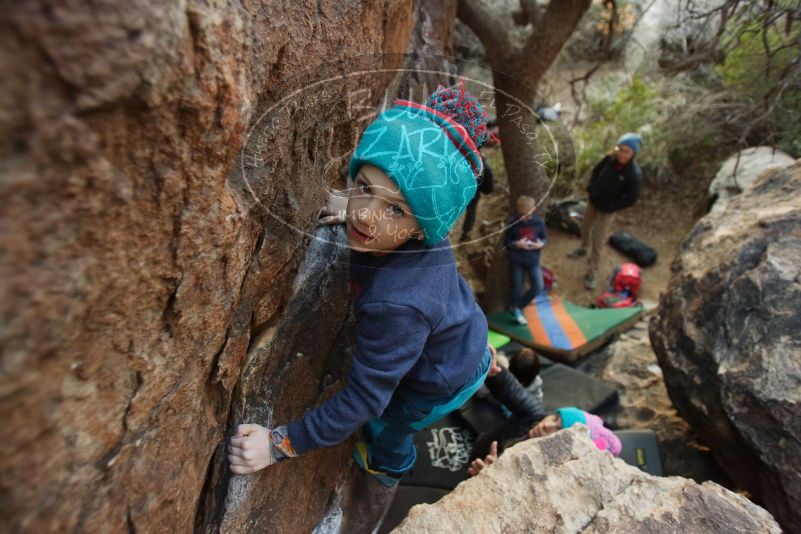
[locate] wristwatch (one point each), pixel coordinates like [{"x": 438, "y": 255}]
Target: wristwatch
[{"x": 281, "y": 446}]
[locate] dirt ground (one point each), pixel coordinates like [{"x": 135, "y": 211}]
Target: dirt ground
[{"x": 663, "y": 217}]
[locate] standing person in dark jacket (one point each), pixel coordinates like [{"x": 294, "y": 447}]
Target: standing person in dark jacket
[
  {"x": 614, "y": 185},
  {"x": 486, "y": 184},
  {"x": 524, "y": 238}
]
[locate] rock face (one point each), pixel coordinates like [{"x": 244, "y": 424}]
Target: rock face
[
  {"x": 741, "y": 170},
  {"x": 728, "y": 339},
  {"x": 629, "y": 364},
  {"x": 563, "y": 484},
  {"x": 159, "y": 197}
]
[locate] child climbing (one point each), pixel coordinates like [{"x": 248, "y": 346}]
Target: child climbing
[
  {"x": 614, "y": 185},
  {"x": 421, "y": 341},
  {"x": 603, "y": 438},
  {"x": 524, "y": 238}
]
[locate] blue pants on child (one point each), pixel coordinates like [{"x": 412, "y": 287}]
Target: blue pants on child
[
  {"x": 390, "y": 446},
  {"x": 517, "y": 273}
]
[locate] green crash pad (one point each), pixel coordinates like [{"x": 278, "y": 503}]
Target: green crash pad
[
  {"x": 562, "y": 330},
  {"x": 496, "y": 339}
]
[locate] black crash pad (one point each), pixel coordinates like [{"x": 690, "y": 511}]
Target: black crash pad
[
  {"x": 564, "y": 386},
  {"x": 443, "y": 453},
  {"x": 640, "y": 448},
  {"x": 482, "y": 415}
]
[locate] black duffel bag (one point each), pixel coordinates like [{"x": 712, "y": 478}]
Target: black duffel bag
[{"x": 630, "y": 246}]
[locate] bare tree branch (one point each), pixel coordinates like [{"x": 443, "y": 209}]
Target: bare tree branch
[
  {"x": 550, "y": 34},
  {"x": 606, "y": 53},
  {"x": 489, "y": 27},
  {"x": 759, "y": 19},
  {"x": 530, "y": 12}
]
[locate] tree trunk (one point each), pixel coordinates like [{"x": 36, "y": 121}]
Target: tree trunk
[
  {"x": 517, "y": 71},
  {"x": 518, "y": 130}
]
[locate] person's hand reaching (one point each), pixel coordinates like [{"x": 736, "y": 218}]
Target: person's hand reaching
[
  {"x": 494, "y": 367},
  {"x": 334, "y": 210},
  {"x": 478, "y": 464}
]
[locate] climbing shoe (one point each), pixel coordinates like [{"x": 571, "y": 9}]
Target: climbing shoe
[{"x": 361, "y": 457}]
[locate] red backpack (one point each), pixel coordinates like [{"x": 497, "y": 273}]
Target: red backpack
[
  {"x": 622, "y": 288},
  {"x": 548, "y": 278}
]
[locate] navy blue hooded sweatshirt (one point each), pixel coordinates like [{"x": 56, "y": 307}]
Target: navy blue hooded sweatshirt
[
  {"x": 517, "y": 229},
  {"x": 418, "y": 327}
]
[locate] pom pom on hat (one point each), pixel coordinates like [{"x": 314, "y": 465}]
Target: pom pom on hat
[
  {"x": 462, "y": 107},
  {"x": 431, "y": 152}
]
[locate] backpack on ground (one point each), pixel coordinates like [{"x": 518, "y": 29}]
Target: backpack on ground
[
  {"x": 621, "y": 288},
  {"x": 548, "y": 278},
  {"x": 628, "y": 245},
  {"x": 566, "y": 215}
]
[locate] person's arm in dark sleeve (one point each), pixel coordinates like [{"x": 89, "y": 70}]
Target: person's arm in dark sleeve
[
  {"x": 506, "y": 389},
  {"x": 595, "y": 171},
  {"x": 389, "y": 341},
  {"x": 488, "y": 183}
]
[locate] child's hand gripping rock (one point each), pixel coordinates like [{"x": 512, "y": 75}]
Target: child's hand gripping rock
[
  {"x": 478, "y": 464},
  {"x": 254, "y": 447},
  {"x": 494, "y": 367},
  {"x": 334, "y": 210}
]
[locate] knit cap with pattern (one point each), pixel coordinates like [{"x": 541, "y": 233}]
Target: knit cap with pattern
[{"x": 431, "y": 153}]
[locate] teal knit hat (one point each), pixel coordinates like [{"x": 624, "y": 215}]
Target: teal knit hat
[
  {"x": 431, "y": 153},
  {"x": 571, "y": 416},
  {"x": 632, "y": 140}
]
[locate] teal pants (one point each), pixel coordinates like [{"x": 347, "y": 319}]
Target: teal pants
[{"x": 390, "y": 446}]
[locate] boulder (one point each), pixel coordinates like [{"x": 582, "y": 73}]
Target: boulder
[
  {"x": 563, "y": 484},
  {"x": 160, "y": 277},
  {"x": 740, "y": 171},
  {"x": 629, "y": 365},
  {"x": 728, "y": 339}
]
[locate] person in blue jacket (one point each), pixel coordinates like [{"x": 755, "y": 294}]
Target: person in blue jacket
[
  {"x": 421, "y": 341},
  {"x": 524, "y": 238}
]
